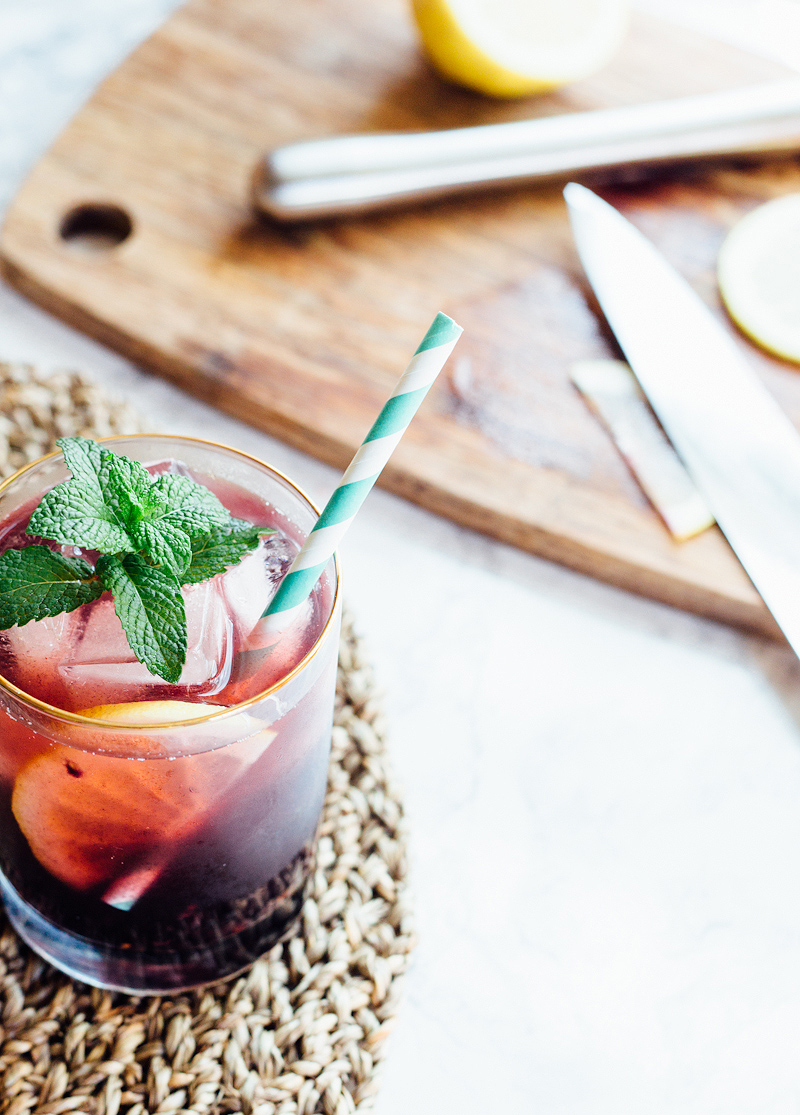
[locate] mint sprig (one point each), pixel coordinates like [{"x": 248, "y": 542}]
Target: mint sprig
[{"x": 152, "y": 534}]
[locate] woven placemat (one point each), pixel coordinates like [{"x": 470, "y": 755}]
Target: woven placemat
[{"x": 303, "y": 1030}]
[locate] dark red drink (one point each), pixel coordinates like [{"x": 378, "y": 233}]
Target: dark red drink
[{"x": 157, "y": 836}]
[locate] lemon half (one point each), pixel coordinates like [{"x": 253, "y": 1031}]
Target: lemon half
[
  {"x": 759, "y": 276},
  {"x": 510, "y": 48}
]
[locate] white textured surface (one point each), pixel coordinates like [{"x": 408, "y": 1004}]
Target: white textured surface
[{"x": 604, "y": 793}]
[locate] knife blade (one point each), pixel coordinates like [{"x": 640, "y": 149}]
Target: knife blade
[{"x": 741, "y": 450}]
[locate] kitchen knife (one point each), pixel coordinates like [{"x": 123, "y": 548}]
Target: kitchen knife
[
  {"x": 355, "y": 173},
  {"x": 737, "y": 444}
]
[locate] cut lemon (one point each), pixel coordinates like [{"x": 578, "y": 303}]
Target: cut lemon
[
  {"x": 145, "y": 713},
  {"x": 97, "y": 820},
  {"x": 234, "y": 734},
  {"x": 510, "y": 48},
  {"x": 759, "y": 276},
  {"x": 90, "y": 819}
]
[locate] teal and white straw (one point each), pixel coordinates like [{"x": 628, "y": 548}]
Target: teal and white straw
[{"x": 364, "y": 470}]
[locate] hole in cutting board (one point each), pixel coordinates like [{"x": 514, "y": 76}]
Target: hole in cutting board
[{"x": 95, "y": 226}]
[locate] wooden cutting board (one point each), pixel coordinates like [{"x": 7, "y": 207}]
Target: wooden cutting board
[{"x": 303, "y": 330}]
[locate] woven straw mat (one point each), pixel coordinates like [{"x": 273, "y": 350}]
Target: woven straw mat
[{"x": 304, "y": 1029}]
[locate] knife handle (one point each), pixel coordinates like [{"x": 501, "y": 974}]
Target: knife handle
[{"x": 354, "y": 173}]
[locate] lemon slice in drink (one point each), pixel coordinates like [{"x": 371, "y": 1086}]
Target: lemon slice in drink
[
  {"x": 510, "y": 48},
  {"x": 144, "y": 713},
  {"x": 759, "y": 276},
  {"x": 92, "y": 819}
]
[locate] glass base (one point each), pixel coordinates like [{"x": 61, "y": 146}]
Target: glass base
[{"x": 150, "y": 967}]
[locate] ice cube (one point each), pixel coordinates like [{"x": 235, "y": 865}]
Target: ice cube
[
  {"x": 31, "y": 655},
  {"x": 279, "y": 552},
  {"x": 247, "y": 588},
  {"x": 100, "y": 667}
]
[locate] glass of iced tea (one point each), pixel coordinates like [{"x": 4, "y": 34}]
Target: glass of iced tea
[{"x": 158, "y": 836}]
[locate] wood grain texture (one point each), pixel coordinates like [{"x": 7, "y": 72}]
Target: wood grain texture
[{"x": 303, "y": 330}]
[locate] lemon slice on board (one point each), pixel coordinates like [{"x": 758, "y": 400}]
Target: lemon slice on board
[
  {"x": 510, "y": 48},
  {"x": 758, "y": 271}
]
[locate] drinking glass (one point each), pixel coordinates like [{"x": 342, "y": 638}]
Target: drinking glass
[{"x": 146, "y": 854}]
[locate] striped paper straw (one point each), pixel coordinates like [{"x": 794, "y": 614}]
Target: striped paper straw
[{"x": 363, "y": 470}]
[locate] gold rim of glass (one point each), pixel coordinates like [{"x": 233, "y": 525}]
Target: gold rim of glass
[{"x": 224, "y": 712}]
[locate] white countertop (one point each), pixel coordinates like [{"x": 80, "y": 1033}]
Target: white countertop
[{"x": 604, "y": 793}]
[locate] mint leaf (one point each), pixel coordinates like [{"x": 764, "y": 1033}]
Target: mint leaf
[
  {"x": 75, "y": 512},
  {"x": 127, "y": 489},
  {"x": 149, "y": 604},
  {"x": 83, "y": 459},
  {"x": 165, "y": 544},
  {"x": 35, "y": 582},
  {"x": 175, "y": 511},
  {"x": 189, "y": 506},
  {"x": 220, "y": 549}
]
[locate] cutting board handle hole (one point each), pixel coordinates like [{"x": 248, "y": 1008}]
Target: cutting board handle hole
[{"x": 95, "y": 226}]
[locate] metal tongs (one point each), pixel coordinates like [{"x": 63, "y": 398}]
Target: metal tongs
[{"x": 353, "y": 173}]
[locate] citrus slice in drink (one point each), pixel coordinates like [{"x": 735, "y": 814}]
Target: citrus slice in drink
[
  {"x": 143, "y": 714},
  {"x": 510, "y": 48},
  {"x": 93, "y": 820},
  {"x": 758, "y": 270}
]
